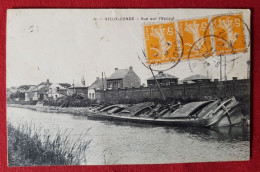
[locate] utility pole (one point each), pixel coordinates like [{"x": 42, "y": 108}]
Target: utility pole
[
  {"x": 73, "y": 87},
  {"x": 103, "y": 91}
]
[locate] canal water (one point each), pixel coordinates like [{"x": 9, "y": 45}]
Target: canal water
[{"x": 128, "y": 143}]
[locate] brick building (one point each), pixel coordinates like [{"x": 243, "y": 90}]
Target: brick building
[
  {"x": 123, "y": 78},
  {"x": 38, "y": 92},
  {"x": 196, "y": 79},
  {"x": 79, "y": 88},
  {"x": 56, "y": 90},
  {"x": 163, "y": 79},
  {"x": 96, "y": 85}
]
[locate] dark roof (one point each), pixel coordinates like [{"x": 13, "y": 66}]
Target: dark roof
[
  {"x": 162, "y": 75},
  {"x": 66, "y": 85},
  {"x": 56, "y": 86},
  {"x": 196, "y": 77},
  {"x": 30, "y": 89},
  {"x": 77, "y": 85},
  {"x": 119, "y": 74},
  {"x": 8, "y": 90},
  {"x": 13, "y": 89},
  {"x": 42, "y": 88},
  {"x": 23, "y": 88},
  {"x": 97, "y": 84}
]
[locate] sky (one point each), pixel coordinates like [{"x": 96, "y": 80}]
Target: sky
[{"x": 67, "y": 44}]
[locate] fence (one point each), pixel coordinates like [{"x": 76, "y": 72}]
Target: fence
[{"x": 196, "y": 90}]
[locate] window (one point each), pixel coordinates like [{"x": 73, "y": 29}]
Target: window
[{"x": 110, "y": 84}]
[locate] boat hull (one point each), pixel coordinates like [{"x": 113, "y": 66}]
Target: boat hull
[
  {"x": 235, "y": 119},
  {"x": 226, "y": 114},
  {"x": 172, "y": 122}
]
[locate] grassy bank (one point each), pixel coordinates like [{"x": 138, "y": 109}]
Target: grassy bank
[{"x": 28, "y": 146}]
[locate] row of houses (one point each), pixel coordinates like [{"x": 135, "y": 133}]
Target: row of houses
[
  {"x": 119, "y": 79},
  {"x": 42, "y": 91}
]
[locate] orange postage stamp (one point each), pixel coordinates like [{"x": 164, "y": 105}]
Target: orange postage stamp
[
  {"x": 195, "y": 43},
  {"x": 228, "y": 33},
  {"x": 161, "y": 43}
]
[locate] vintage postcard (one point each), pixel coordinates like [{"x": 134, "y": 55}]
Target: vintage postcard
[{"x": 127, "y": 86}]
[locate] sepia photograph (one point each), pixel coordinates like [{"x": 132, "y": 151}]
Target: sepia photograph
[{"x": 127, "y": 86}]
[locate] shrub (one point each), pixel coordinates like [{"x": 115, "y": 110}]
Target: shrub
[
  {"x": 30, "y": 146},
  {"x": 75, "y": 100}
]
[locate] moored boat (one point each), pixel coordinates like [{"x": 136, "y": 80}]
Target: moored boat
[{"x": 204, "y": 113}]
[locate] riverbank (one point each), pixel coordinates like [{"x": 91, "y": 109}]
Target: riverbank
[
  {"x": 29, "y": 147},
  {"x": 52, "y": 109}
]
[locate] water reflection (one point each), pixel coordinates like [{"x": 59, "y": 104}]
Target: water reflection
[
  {"x": 135, "y": 143},
  {"x": 226, "y": 134}
]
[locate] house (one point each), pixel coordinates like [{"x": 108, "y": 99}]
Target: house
[
  {"x": 13, "y": 92},
  {"x": 98, "y": 84},
  {"x": 163, "y": 79},
  {"x": 79, "y": 88},
  {"x": 40, "y": 91},
  {"x": 29, "y": 94},
  {"x": 21, "y": 92},
  {"x": 123, "y": 78},
  {"x": 8, "y": 94},
  {"x": 196, "y": 79},
  {"x": 56, "y": 91}
]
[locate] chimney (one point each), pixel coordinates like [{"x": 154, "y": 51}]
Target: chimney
[
  {"x": 131, "y": 67},
  {"x": 48, "y": 82},
  {"x": 116, "y": 68},
  {"x": 83, "y": 81}
]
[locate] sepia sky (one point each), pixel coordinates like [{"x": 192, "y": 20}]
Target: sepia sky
[{"x": 62, "y": 45}]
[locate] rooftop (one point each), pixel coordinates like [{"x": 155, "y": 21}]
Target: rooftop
[
  {"x": 56, "y": 86},
  {"x": 162, "y": 75},
  {"x": 78, "y": 85},
  {"x": 97, "y": 84},
  {"x": 120, "y": 73},
  {"x": 23, "y": 88},
  {"x": 196, "y": 77},
  {"x": 31, "y": 88}
]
